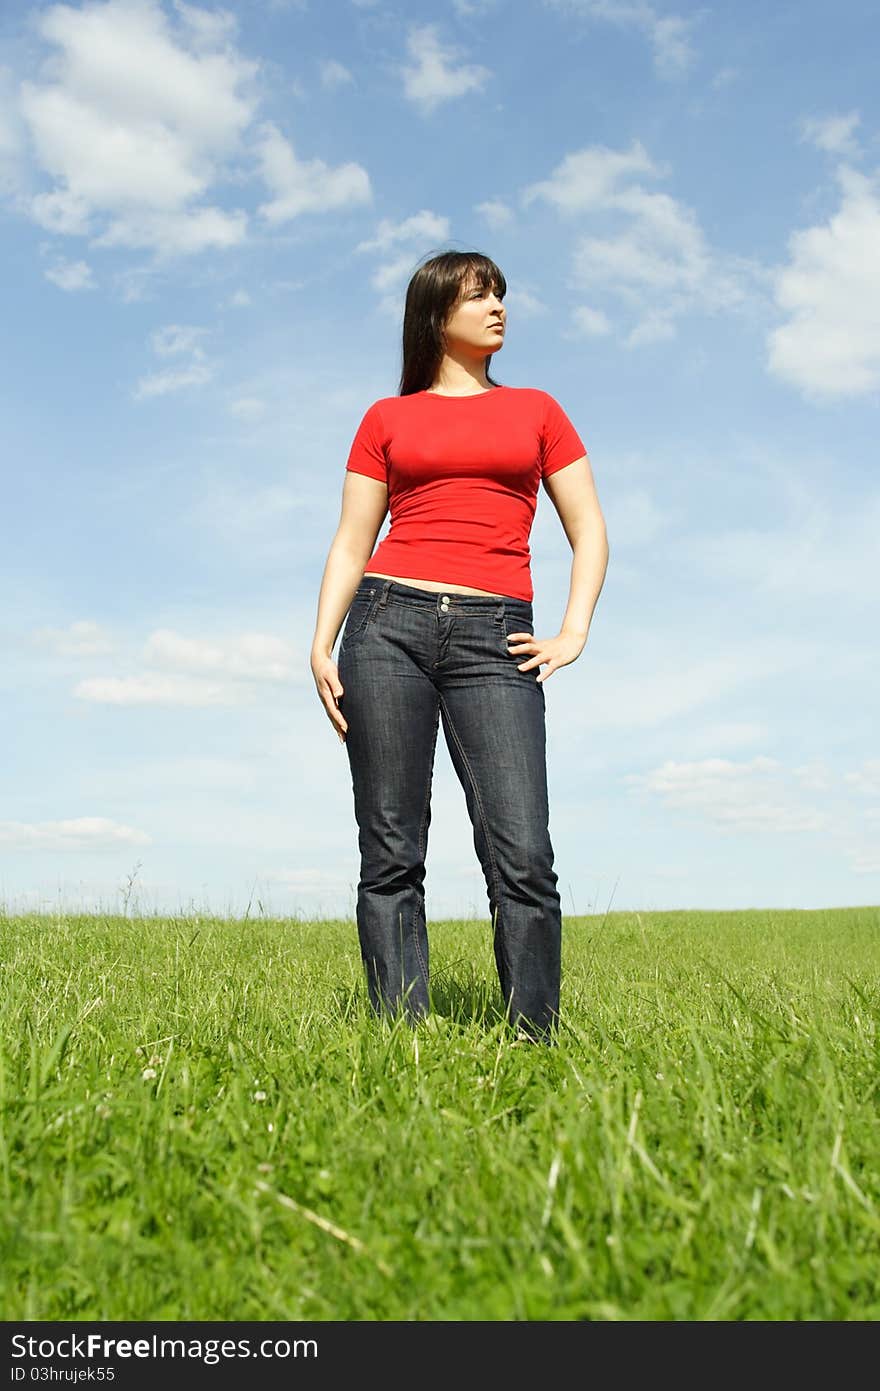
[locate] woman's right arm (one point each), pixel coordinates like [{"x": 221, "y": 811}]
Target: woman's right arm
[{"x": 364, "y": 508}]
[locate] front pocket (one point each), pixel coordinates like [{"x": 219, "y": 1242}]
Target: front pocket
[
  {"x": 359, "y": 615},
  {"x": 512, "y": 624}
]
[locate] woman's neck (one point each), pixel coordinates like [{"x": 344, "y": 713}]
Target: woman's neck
[{"x": 457, "y": 378}]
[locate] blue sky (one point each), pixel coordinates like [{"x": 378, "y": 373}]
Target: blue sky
[{"x": 208, "y": 217}]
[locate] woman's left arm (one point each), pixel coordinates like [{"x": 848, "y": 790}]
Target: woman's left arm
[{"x": 573, "y": 493}]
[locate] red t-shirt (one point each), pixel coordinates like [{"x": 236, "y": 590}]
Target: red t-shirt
[{"x": 462, "y": 474}]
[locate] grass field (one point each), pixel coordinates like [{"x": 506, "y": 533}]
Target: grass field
[{"x": 201, "y": 1120}]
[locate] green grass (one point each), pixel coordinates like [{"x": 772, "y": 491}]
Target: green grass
[{"x": 704, "y": 1143}]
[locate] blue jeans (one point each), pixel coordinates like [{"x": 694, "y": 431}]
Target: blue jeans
[{"x": 407, "y": 658}]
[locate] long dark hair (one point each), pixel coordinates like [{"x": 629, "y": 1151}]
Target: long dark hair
[{"x": 431, "y": 293}]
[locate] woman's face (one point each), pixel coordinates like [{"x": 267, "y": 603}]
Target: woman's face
[{"x": 476, "y": 321}]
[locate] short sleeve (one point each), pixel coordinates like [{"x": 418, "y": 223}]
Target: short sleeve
[
  {"x": 560, "y": 442},
  {"x": 367, "y": 454}
]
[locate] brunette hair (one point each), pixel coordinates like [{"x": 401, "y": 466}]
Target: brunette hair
[{"x": 430, "y": 295}]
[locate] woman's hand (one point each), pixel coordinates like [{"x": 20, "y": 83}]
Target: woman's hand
[
  {"x": 556, "y": 652},
  {"x": 330, "y": 691}
]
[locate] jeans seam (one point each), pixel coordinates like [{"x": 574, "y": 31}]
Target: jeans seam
[
  {"x": 484, "y": 819},
  {"x": 422, "y": 828}
]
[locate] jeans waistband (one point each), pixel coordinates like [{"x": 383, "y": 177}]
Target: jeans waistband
[{"x": 447, "y": 601}]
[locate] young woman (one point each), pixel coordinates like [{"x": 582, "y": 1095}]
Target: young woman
[{"x": 439, "y": 626}]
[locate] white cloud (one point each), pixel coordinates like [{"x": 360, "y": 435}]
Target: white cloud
[
  {"x": 181, "y": 670},
  {"x": 669, "y": 35},
  {"x": 829, "y": 346},
  {"x": 240, "y": 299},
  {"x": 832, "y": 133},
  {"x": 438, "y": 74},
  {"x": 865, "y": 861},
  {"x": 673, "y": 51},
  {"x": 495, "y": 212},
  {"x": 163, "y": 383},
  {"x": 593, "y": 322},
  {"x": 172, "y": 341},
  {"x": 139, "y": 113},
  {"x": 655, "y": 259},
  {"x": 421, "y": 226},
  {"x": 63, "y": 212},
  {"x": 182, "y": 233},
  {"x": 523, "y": 303},
  {"x": 81, "y": 639},
  {"x": 334, "y": 74},
  {"x": 816, "y": 775},
  {"x": 590, "y": 178},
  {"x": 393, "y": 273},
  {"x": 867, "y": 778},
  {"x": 134, "y": 121},
  {"x": 416, "y": 233},
  {"x": 747, "y": 797},
  {"x": 134, "y": 283},
  {"x": 660, "y": 250},
  {"x": 153, "y": 688},
  {"x": 653, "y": 328},
  {"x": 71, "y": 275},
  {"x": 301, "y": 186},
  {"x": 255, "y": 656},
  {"x": 177, "y": 338},
  {"x": 81, "y": 833},
  {"x": 208, "y": 28}
]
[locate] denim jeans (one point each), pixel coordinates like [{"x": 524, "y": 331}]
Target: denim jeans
[{"x": 409, "y": 657}]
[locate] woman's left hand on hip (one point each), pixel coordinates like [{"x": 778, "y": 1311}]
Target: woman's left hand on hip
[{"x": 555, "y": 652}]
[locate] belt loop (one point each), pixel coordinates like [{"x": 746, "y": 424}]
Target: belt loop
[
  {"x": 385, "y": 588},
  {"x": 499, "y": 612}
]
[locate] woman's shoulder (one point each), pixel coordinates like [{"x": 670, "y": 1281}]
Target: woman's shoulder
[
  {"x": 388, "y": 407},
  {"x": 380, "y": 413},
  {"x": 536, "y": 392},
  {"x": 535, "y": 401},
  {"x": 382, "y": 403},
  {"x": 549, "y": 405}
]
